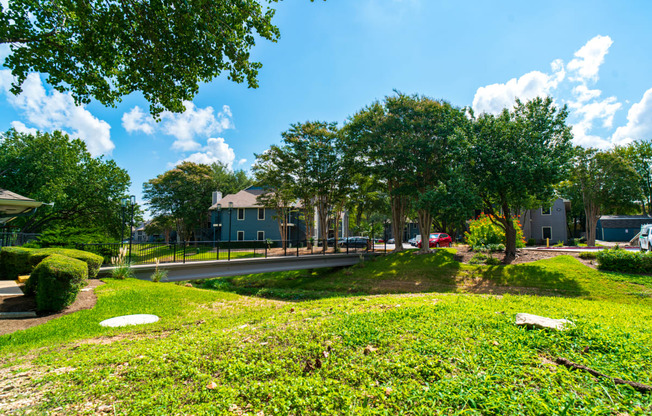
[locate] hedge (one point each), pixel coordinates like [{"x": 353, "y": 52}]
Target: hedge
[
  {"x": 619, "y": 260},
  {"x": 57, "y": 280},
  {"x": 14, "y": 262},
  {"x": 93, "y": 261}
]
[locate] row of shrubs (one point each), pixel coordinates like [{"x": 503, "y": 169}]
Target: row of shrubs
[
  {"x": 620, "y": 260},
  {"x": 56, "y": 275}
]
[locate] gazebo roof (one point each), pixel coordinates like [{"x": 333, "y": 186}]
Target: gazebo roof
[{"x": 13, "y": 205}]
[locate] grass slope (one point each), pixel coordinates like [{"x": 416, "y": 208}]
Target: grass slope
[{"x": 215, "y": 352}]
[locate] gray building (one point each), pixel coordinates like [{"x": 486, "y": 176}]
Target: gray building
[
  {"x": 247, "y": 220},
  {"x": 543, "y": 223}
]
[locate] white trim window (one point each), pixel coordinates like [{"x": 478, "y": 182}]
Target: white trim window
[
  {"x": 546, "y": 211},
  {"x": 240, "y": 235},
  {"x": 241, "y": 214},
  {"x": 545, "y": 235},
  {"x": 260, "y": 235},
  {"x": 261, "y": 214}
]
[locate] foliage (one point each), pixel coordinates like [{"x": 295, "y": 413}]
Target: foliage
[
  {"x": 604, "y": 179},
  {"x": 14, "y": 262},
  {"x": 158, "y": 274},
  {"x": 229, "y": 181},
  {"x": 639, "y": 155},
  {"x": 93, "y": 261},
  {"x": 108, "y": 49},
  {"x": 58, "y": 280},
  {"x": 620, "y": 260},
  {"x": 486, "y": 235},
  {"x": 121, "y": 266},
  {"x": 478, "y": 258},
  {"x": 588, "y": 255},
  {"x": 516, "y": 158},
  {"x": 52, "y": 168},
  {"x": 410, "y": 367},
  {"x": 62, "y": 236},
  {"x": 183, "y": 193}
]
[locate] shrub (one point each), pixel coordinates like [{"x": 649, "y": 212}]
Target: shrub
[
  {"x": 619, "y": 260},
  {"x": 158, "y": 274},
  {"x": 588, "y": 255},
  {"x": 58, "y": 279},
  {"x": 93, "y": 261},
  {"x": 530, "y": 242},
  {"x": 121, "y": 267},
  {"x": 485, "y": 235},
  {"x": 13, "y": 262},
  {"x": 492, "y": 261},
  {"x": 478, "y": 258}
]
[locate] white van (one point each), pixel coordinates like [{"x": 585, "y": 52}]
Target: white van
[{"x": 645, "y": 238}]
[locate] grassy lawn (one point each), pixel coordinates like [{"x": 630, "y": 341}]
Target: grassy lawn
[{"x": 405, "y": 334}]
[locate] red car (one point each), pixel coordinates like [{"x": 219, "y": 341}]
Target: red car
[{"x": 438, "y": 240}]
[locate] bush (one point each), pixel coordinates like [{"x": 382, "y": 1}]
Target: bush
[
  {"x": 588, "y": 255},
  {"x": 530, "y": 242},
  {"x": 485, "y": 235},
  {"x": 14, "y": 263},
  {"x": 492, "y": 261},
  {"x": 58, "y": 279},
  {"x": 619, "y": 260},
  {"x": 93, "y": 261}
]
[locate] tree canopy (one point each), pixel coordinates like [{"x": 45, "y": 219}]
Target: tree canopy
[
  {"x": 515, "y": 160},
  {"x": 50, "y": 167},
  {"x": 108, "y": 49}
]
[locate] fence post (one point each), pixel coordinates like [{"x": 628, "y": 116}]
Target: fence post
[
  {"x": 285, "y": 247},
  {"x": 184, "y": 251},
  {"x": 266, "y": 249},
  {"x": 217, "y": 256},
  {"x": 229, "y": 257},
  {"x": 174, "y": 252}
]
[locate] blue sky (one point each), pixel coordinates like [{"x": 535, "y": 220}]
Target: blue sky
[{"x": 336, "y": 57}]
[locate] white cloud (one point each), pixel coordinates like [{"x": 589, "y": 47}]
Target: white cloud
[
  {"x": 22, "y": 128},
  {"x": 137, "y": 120},
  {"x": 494, "y": 98},
  {"x": 588, "y": 59},
  {"x": 57, "y": 111},
  {"x": 216, "y": 150},
  {"x": 639, "y": 122},
  {"x": 241, "y": 162},
  {"x": 185, "y": 127}
]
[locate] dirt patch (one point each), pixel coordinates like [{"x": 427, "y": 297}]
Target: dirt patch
[
  {"x": 464, "y": 255},
  {"x": 85, "y": 300}
]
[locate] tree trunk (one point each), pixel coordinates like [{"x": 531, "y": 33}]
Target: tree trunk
[
  {"x": 398, "y": 221},
  {"x": 322, "y": 212},
  {"x": 510, "y": 234},
  {"x": 592, "y": 216},
  {"x": 425, "y": 222}
]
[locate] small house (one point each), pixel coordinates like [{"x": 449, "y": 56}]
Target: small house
[{"x": 620, "y": 228}]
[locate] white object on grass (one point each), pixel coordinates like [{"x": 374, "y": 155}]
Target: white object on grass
[{"x": 127, "y": 320}]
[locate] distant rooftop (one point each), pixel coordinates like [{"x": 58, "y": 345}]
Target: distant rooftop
[{"x": 243, "y": 199}]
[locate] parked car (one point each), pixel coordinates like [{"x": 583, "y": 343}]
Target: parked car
[
  {"x": 391, "y": 241},
  {"x": 645, "y": 238},
  {"x": 331, "y": 242},
  {"x": 438, "y": 240},
  {"x": 355, "y": 242},
  {"x": 413, "y": 241}
]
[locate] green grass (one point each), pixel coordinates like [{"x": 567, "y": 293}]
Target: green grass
[{"x": 444, "y": 351}]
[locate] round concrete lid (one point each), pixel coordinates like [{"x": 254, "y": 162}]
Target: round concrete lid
[{"x": 129, "y": 320}]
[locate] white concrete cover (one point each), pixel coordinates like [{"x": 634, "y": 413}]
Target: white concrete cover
[
  {"x": 534, "y": 321},
  {"x": 129, "y": 320}
]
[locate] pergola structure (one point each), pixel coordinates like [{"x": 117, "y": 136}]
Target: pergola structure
[{"x": 13, "y": 205}]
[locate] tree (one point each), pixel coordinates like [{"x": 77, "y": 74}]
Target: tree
[
  {"x": 50, "y": 167},
  {"x": 516, "y": 158},
  {"x": 373, "y": 146},
  {"x": 604, "y": 180},
  {"x": 229, "y": 181},
  {"x": 183, "y": 193},
  {"x": 108, "y": 49},
  {"x": 639, "y": 155},
  {"x": 272, "y": 171}
]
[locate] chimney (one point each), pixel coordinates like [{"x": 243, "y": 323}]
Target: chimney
[{"x": 217, "y": 196}]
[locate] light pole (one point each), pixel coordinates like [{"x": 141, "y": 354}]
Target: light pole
[
  {"x": 218, "y": 223},
  {"x": 230, "y": 218}
]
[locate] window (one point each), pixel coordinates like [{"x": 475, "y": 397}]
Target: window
[
  {"x": 240, "y": 235},
  {"x": 261, "y": 235},
  {"x": 547, "y": 232},
  {"x": 240, "y": 214},
  {"x": 261, "y": 214},
  {"x": 546, "y": 211}
]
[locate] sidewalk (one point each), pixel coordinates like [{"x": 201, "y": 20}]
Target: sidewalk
[{"x": 10, "y": 288}]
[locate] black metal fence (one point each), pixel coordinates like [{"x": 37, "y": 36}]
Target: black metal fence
[
  {"x": 182, "y": 252},
  {"x": 16, "y": 239}
]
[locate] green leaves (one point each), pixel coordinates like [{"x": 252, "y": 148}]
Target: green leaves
[{"x": 108, "y": 49}]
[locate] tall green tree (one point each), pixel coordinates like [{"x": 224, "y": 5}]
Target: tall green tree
[
  {"x": 516, "y": 158},
  {"x": 52, "y": 168},
  {"x": 605, "y": 181},
  {"x": 639, "y": 155},
  {"x": 108, "y": 49},
  {"x": 229, "y": 181},
  {"x": 183, "y": 193}
]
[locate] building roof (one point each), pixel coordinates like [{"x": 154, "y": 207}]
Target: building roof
[
  {"x": 624, "y": 221},
  {"x": 247, "y": 198},
  {"x": 13, "y": 205},
  {"x": 11, "y": 196}
]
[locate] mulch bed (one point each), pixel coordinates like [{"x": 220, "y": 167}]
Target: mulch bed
[
  {"x": 464, "y": 255},
  {"x": 85, "y": 300}
]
